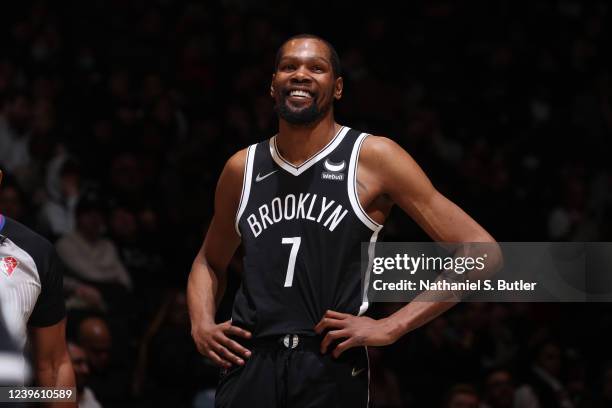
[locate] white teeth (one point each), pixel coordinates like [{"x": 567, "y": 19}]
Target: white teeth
[{"x": 299, "y": 93}]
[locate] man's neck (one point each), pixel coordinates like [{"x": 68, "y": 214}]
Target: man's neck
[{"x": 298, "y": 143}]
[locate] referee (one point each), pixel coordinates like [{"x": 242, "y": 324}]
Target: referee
[{"x": 33, "y": 303}]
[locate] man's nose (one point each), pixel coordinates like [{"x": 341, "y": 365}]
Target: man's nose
[{"x": 300, "y": 75}]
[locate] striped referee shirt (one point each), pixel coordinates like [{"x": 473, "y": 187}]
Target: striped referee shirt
[{"x": 30, "y": 281}]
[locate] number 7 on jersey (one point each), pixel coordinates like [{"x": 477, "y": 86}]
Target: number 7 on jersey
[{"x": 295, "y": 247}]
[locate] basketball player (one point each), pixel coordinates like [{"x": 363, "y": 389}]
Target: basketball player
[
  {"x": 302, "y": 203},
  {"x": 32, "y": 301}
]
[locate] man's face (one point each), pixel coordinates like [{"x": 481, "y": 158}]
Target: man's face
[
  {"x": 550, "y": 359},
  {"x": 500, "y": 389},
  {"x": 303, "y": 86},
  {"x": 98, "y": 353},
  {"x": 80, "y": 365},
  {"x": 464, "y": 401}
]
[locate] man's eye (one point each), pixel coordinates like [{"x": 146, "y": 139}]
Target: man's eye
[
  {"x": 317, "y": 68},
  {"x": 288, "y": 67}
]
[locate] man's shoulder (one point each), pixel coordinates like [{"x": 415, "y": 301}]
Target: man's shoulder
[
  {"x": 237, "y": 160},
  {"x": 25, "y": 237},
  {"x": 376, "y": 148},
  {"x": 236, "y": 164},
  {"x": 23, "y": 240}
]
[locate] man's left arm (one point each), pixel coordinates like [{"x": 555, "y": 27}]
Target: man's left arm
[
  {"x": 47, "y": 330},
  {"x": 391, "y": 171},
  {"x": 51, "y": 359}
]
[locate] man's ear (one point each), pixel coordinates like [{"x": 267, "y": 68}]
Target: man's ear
[
  {"x": 272, "y": 90},
  {"x": 339, "y": 86}
]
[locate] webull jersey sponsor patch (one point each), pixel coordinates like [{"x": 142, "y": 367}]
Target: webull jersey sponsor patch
[{"x": 327, "y": 175}]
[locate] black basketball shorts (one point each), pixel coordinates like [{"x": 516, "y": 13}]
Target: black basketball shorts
[{"x": 290, "y": 372}]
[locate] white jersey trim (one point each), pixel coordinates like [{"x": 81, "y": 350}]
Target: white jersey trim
[
  {"x": 246, "y": 184},
  {"x": 352, "y": 186},
  {"x": 297, "y": 170},
  {"x": 366, "y": 277}
]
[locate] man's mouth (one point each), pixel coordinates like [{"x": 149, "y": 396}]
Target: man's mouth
[{"x": 300, "y": 94}]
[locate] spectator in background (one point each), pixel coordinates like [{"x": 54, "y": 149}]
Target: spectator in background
[
  {"x": 15, "y": 133},
  {"x": 12, "y": 202},
  {"x": 109, "y": 377},
  {"x": 57, "y": 215},
  {"x": 462, "y": 396},
  {"x": 572, "y": 220},
  {"x": 85, "y": 396},
  {"x": 546, "y": 377},
  {"x": 170, "y": 370},
  {"x": 91, "y": 257},
  {"x": 500, "y": 391},
  {"x": 134, "y": 237},
  {"x": 95, "y": 338},
  {"x": 126, "y": 180}
]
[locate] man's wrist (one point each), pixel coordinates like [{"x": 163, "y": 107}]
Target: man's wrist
[
  {"x": 394, "y": 328},
  {"x": 201, "y": 323}
]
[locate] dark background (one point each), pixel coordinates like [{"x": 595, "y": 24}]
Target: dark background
[{"x": 136, "y": 105}]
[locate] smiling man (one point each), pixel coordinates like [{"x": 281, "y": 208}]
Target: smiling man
[{"x": 301, "y": 203}]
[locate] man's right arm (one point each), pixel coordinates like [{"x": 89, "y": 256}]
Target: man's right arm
[{"x": 207, "y": 278}]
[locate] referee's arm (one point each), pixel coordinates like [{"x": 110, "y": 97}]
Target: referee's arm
[
  {"x": 51, "y": 359},
  {"x": 47, "y": 330}
]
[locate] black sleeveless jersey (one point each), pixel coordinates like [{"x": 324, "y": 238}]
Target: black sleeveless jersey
[{"x": 302, "y": 229}]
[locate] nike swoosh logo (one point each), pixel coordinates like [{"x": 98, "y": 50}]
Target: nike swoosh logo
[
  {"x": 259, "y": 178},
  {"x": 355, "y": 373},
  {"x": 334, "y": 166}
]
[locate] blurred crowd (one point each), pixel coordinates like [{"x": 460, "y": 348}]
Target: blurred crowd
[{"x": 116, "y": 118}]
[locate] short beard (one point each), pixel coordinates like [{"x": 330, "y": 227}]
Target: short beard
[{"x": 302, "y": 117}]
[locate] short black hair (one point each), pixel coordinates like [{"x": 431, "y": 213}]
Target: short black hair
[{"x": 335, "y": 59}]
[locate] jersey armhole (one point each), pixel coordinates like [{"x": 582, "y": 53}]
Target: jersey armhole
[
  {"x": 352, "y": 186},
  {"x": 246, "y": 185}
]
